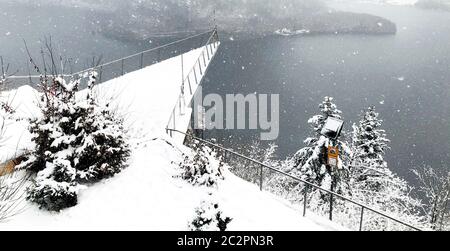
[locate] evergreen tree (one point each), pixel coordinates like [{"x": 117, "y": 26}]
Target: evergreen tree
[
  {"x": 373, "y": 183},
  {"x": 310, "y": 163},
  {"x": 369, "y": 144},
  {"x": 77, "y": 142}
]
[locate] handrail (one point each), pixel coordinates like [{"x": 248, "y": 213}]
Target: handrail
[
  {"x": 146, "y": 51},
  {"x": 121, "y": 59},
  {"x": 309, "y": 184},
  {"x": 212, "y": 40}
]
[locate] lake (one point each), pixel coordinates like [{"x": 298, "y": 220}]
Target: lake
[{"x": 406, "y": 76}]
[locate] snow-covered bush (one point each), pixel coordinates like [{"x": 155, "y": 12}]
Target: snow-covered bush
[
  {"x": 435, "y": 185},
  {"x": 209, "y": 217},
  {"x": 53, "y": 195},
  {"x": 250, "y": 171},
  {"x": 204, "y": 168},
  {"x": 6, "y": 111},
  {"x": 78, "y": 141}
]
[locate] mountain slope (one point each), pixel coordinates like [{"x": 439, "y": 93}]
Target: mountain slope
[{"x": 146, "y": 195}]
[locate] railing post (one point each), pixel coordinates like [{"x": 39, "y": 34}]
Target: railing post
[
  {"x": 182, "y": 73},
  {"x": 100, "y": 74},
  {"x": 207, "y": 52},
  {"x": 331, "y": 207},
  {"x": 195, "y": 76},
  {"x": 189, "y": 83},
  {"x": 181, "y": 105},
  {"x": 204, "y": 60},
  {"x": 305, "y": 199},
  {"x": 158, "y": 59},
  {"x": 142, "y": 60},
  {"x": 261, "y": 177},
  {"x": 361, "y": 219},
  {"x": 331, "y": 198},
  {"x": 122, "y": 63},
  {"x": 200, "y": 67},
  {"x": 174, "y": 120}
]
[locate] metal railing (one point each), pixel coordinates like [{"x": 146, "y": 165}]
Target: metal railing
[
  {"x": 309, "y": 185},
  {"x": 193, "y": 79},
  {"x": 137, "y": 61}
]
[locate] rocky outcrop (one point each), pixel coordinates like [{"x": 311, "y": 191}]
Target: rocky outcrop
[{"x": 349, "y": 23}]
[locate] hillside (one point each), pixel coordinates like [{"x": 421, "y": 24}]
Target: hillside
[{"x": 146, "y": 195}]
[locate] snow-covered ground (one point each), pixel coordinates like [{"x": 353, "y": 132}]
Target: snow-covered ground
[{"x": 146, "y": 196}]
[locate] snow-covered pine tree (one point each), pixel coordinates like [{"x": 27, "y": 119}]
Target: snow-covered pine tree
[
  {"x": 78, "y": 141},
  {"x": 310, "y": 163},
  {"x": 55, "y": 183},
  {"x": 369, "y": 144},
  {"x": 204, "y": 168},
  {"x": 209, "y": 217},
  {"x": 372, "y": 182},
  {"x": 102, "y": 150}
]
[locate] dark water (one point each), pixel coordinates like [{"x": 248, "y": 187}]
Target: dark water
[
  {"x": 407, "y": 77},
  {"x": 74, "y": 34}
]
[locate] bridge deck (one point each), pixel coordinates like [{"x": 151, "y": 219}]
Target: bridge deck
[{"x": 159, "y": 86}]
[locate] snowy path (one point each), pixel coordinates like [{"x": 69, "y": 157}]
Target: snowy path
[{"x": 146, "y": 196}]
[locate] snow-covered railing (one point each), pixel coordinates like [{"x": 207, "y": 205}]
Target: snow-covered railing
[
  {"x": 137, "y": 61},
  {"x": 192, "y": 80},
  {"x": 309, "y": 186}
]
